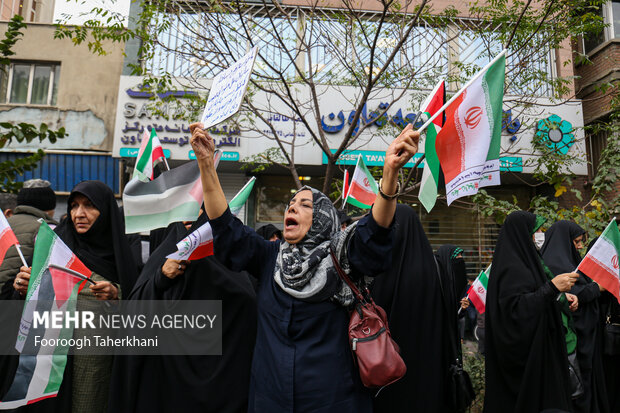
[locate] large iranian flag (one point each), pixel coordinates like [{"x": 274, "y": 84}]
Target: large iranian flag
[
  {"x": 430, "y": 175},
  {"x": 363, "y": 189},
  {"x": 150, "y": 154},
  {"x": 477, "y": 293},
  {"x": 601, "y": 262},
  {"x": 468, "y": 145},
  {"x": 40, "y": 371}
]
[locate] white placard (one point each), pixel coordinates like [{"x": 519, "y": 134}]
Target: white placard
[{"x": 227, "y": 90}]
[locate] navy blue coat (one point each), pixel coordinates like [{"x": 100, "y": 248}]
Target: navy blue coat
[{"x": 302, "y": 361}]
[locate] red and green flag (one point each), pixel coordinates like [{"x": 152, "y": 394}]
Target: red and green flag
[
  {"x": 601, "y": 262},
  {"x": 150, "y": 154},
  {"x": 468, "y": 145},
  {"x": 39, "y": 376},
  {"x": 477, "y": 293},
  {"x": 430, "y": 175},
  {"x": 363, "y": 189}
]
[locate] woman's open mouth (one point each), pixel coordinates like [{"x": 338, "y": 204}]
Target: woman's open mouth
[{"x": 290, "y": 223}]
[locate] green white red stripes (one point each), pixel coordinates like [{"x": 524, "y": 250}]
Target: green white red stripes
[
  {"x": 601, "y": 262},
  {"x": 175, "y": 195},
  {"x": 39, "y": 376},
  {"x": 477, "y": 293},
  {"x": 363, "y": 189},
  {"x": 468, "y": 145},
  {"x": 430, "y": 174},
  {"x": 150, "y": 154}
]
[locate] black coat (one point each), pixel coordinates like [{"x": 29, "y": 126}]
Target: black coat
[
  {"x": 526, "y": 360},
  {"x": 217, "y": 384},
  {"x": 410, "y": 294},
  {"x": 561, "y": 256}
]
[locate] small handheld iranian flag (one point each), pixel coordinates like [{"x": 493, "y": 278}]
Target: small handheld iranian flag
[
  {"x": 601, "y": 262},
  {"x": 363, "y": 189},
  {"x": 477, "y": 293},
  {"x": 51, "y": 287},
  {"x": 199, "y": 243},
  {"x": 345, "y": 185},
  {"x": 150, "y": 154},
  {"x": 7, "y": 237}
]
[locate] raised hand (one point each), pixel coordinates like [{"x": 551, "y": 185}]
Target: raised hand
[
  {"x": 402, "y": 148},
  {"x": 202, "y": 143}
]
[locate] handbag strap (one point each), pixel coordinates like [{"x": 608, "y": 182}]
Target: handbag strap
[{"x": 345, "y": 277}]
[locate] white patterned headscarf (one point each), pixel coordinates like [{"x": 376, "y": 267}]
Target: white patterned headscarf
[{"x": 305, "y": 270}]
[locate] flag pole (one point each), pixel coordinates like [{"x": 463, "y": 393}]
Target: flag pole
[
  {"x": 19, "y": 251},
  {"x": 166, "y": 162},
  {"x": 460, "y": 92},
  {"x": 72, "y": 272},
  {"x": 349, "y": 191}
]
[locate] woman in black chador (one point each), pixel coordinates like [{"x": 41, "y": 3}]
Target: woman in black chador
[
  {"x": 208, "y": 384},
  {"x": 411, "y": 296},
  {"x": 560, "y": 252},
  {"x": 526, "y": 359}
]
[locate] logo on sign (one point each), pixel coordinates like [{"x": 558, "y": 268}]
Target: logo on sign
[
  {"x": 473, "y": 116},
  {"x": 614, "y": 261}
]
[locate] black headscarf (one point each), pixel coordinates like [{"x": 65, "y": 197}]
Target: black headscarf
[
  {"x": 104, "y": 249},
  {"x": 457, "y": 285},
  {"x": 526, "y": 360},
  {"x": 559, "y": 251},
  {"x": 411, "y": 296},
  {"x": 217, "y": 384}
]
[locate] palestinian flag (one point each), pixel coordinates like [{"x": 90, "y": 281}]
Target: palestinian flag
[
  {"x": 239, "y": 200},
  {"x": 7, "y": 236},
  {"x": 40, "y": 371},
  {"x": 477, "y": 293},
  {"x": 175, "y": 195},
  {"x": 430, "y": 174},
  {"x": 601, "y": 262},
  {"x": 199, "y": 243},
  {"x": 150, "y": 154},
  {"x": 363, "y": 189},
  {"x": 468, "y": 145}
]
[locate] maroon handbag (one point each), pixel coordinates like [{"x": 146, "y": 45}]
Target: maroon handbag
[{"x": 376, "y": 353}]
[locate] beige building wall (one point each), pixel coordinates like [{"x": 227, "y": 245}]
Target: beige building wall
[{"x": 87, "y": 89}]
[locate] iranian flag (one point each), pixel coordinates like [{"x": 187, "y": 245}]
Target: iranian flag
[
  {"x": 468, "y": 145},
  {"x": 477, "y": 293},
  {"x": 601, "y": 262},
  {"x": 7, "y": 236},
  {"x": 345, "y": 185},
  {"x": 199, "y": 243},
  {"x": 150, "y": 154},
  {"x": 363, "y": 189},
  {"x": 40, "y": 370},
  {"x": 430, "y": 174}
]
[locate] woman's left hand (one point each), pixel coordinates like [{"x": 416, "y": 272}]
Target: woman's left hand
[
  {"x": 573, "y": 301},
  {"x": 464, "y": 303},
  {"x": 402, "y": 149},
  {"x": 104, "y": 290}
]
